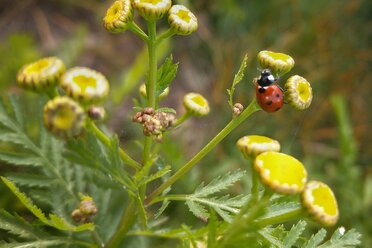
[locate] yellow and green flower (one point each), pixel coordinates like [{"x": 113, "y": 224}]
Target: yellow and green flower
[
  {"x": 152, "y": 9},
  {"x": 182, "y": 20},
  {"x": 196, "y": 104},
  {"x": 253, "y": 145},
  {"x": 118, "y": 16},
  {"x": 278, "y": 63},
  {"x": 298, "y": 92}
]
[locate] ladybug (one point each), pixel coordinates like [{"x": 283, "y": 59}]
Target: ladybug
[{"x": 269, "y": 95}]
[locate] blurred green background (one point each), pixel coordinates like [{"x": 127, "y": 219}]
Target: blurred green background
[{"x": 329, "y": 40}]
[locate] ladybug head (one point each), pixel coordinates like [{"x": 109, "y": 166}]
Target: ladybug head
[{"x": 266, "y": 78}]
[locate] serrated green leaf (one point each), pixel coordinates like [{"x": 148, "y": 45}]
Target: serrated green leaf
[
  {"x": 165, "y": 170},
  {"x": 340, "y": 239},
  {"x": 21, "y": 159},
  {"x": 162, "y": 209},
  {"x": 17, "y": 109},
  {"x": 18, "y": 226},
  {"x": 316, "y": 239},
  {"x": 62, "y": 224},
  {"x": 218, "y": 184},
  {"x": 238, "y": 77},
  {"x": 295, "y": 233},
  {"x": 271, "y": 239},
  {"x": 280, "y": 209},
  {"x": 45, "y": 243},
  {"x": 165, "y": 74},
  {"x": 167, "y": 110},
  {"x": 197, "y": 209}
]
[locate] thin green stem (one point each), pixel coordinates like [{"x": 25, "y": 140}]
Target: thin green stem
[
  {"x": 181, "y": 120},
  {"x": 296, "y": 213},
  {"x": 126, "y": 222},
  {"x": 132, "y": 26},
  {"x": 107, "y": 142},
  {"x": 255, "y": 183},
  {"x": 165, "y": 35},
  {"x": 97, "y": 239},
  {"x": 253, "y": 107}
]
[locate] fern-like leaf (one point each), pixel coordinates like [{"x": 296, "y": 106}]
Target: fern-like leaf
[
  {"x": 295, "y": 233},
  {"x": 238, "y": 77},
  {"x": 340, "y": 239},
  {"x": 316, "y": 239},
  {"x": 21, "y": 159},
  {"x": 166, "y": 73}
]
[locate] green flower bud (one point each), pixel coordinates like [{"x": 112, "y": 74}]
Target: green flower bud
[
  {"x": 253, "y": 145},
  {"x": 278, "y": 63},
  {"x": 41, "y": 74},
  {"x": 64, "y": 117},
  {"x": 281, "y": 172},
  {"x": 196, "y": 104},
  {"x": 182, "y": 20},
  {"x": 118, "y": 16},
  {"x": 152, "y": 9},
  {"x": 85, "y": 85},
  {"x": 320, "y": 203},
  {"x": 298, "y": 92}
]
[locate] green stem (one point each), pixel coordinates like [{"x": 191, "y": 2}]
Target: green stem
[
  {"x": 255, "y": 184},
  {"x": 167, "y": 34},
  {"x": 182, "y": 119},
  {"x": 105, "y": 140},
  {"x": 97, "y": 239},
  {"x": 126, "y": 222},
  {"x": 296, "y": 213},
  {"x": 132, "y": 26},
  {"x": 253, "y": 107}
]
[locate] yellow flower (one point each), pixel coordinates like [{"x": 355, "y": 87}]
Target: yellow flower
[
  {"x": 85, "y": 85},
  {"x": 281, "y": 172},
  {"x": 118, "y": 16},
  {"x": 41, "y": 74},
  {"x": 278, "y": 63},
  {"x": 298, "y": 92},
  {"x": 253, "y": 145},
  {"x": 142, "y": 91},
  {"x": 64, "y": 117},
  {"x": 196, "y": 104},
  {"x": 182, "y": 20},
  {"x": 152, "y": 9}
]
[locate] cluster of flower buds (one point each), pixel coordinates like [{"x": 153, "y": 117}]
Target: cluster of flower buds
[
  {"x": 86, "y": 210},
  {"x": 284, "y": 174},
  {"x": 154, "y": 123}
]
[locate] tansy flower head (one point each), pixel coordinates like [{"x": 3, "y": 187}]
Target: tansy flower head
[
  {"x": 41, "y": 74},
  {"x": 196, "y": 104},
  {"x": 182, "y": 20},
  {"x": 85, "y": 85},
  {"x": 278, "y": 63},
  {"x": 64, "y": 117},
  {"x": 152, "y": 9},
  {"x": 142, "y": 91},
  {"x": 320, "y": 202},
  {"x": 118, "y": 16},
  {"x": 96, "y": 113},
  {"x": 298, "y": 92},
  {"x": 281, "y": 172},
  {"x": 253, "y": 145}
]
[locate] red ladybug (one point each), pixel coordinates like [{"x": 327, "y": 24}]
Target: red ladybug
[{"x": 270, "y": 98}]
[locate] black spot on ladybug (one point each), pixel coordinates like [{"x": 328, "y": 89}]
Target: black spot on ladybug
[
  {"x": 269, "y": 103},
  {"x": 261, "y": 90},
  {"x": 277, "y": 95}
]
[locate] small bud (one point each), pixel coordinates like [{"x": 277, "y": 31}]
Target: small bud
[
  {"x": 64, "y": 117},
  {"x": 281, "y": 172},
  {"x": 41, "y": 74},
  {"x": 142, "y": 91},
  {"x": 118, "y": 16},
  {"x": 87, "y": 206},
  {"x": 85, "y": 85},
  {"x": 320, "y": 202},
  {"x": 96, "y": 113},
  {"x": 253, "y": 145},
  {"x": 196, "y": 104},
  {"x": 152, "y": 9},
  {"x": 278, "y": 63},
  {"x": 237, "y": 109},
  {"x": 298, "y": 92},
  {"x": 77, "y": 216},
  {"x": 182, "y": 20}
]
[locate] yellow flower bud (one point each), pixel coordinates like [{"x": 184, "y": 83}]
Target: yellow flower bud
[
  {"x": 64, "y": 117},
  {"x": 196, "y": 104},
  {"x": 41, "y": 74},
  {"x": 298, "y": 92},
  {"x": 320, "y": 202},
  {"x": 118, "y": 16},
  {"x": 281, "y": 172},
  {"x": 253, "y": 145},
  {"x": 278, "y": 63},
  {"x": 152, "y": 9},
  {"x": 85, "y": 85},
  {"x": 182, "y": 20}
]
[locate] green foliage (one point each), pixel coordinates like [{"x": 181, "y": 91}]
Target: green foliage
[
  {"x": 165, "y": 74},
  {"x": 237, "y": 78}
]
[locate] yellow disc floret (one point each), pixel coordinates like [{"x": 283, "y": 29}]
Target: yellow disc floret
[
  {"x": 85, "y": 85},
  {"x": 64, "y": 117},
  {"x": 278, "y": 63},
  {"x": 320, "y": 202},
  {"x": 281, "y": 172},
  {"x": 152, "y": 9},
  {"x": 118, "y": 16},
  {"x": 41, "y": 74},
  {"x": 298, "y": 92},
  {"x": 253, "y": 145},
  {"x": 196, "y": 104},
  {"x": 182, "y": 20}
]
